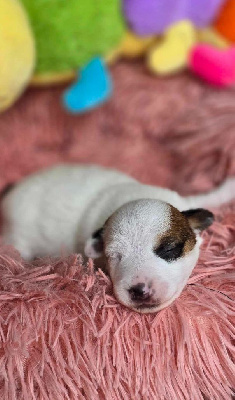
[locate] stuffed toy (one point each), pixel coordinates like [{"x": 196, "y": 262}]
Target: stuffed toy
[
  {"x": 217, "y": 66},
  {"x": 225, "y": 23},
  {"x": 17, "y": 55},
  {"x": 179, "y": 23},
  {"x": 68, "y": 36}
]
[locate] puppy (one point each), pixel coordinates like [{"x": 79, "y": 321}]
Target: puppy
[{"x": 148, "y": 236}]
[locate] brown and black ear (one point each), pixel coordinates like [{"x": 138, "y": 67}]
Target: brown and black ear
[
  {"x": 95, "y": 245},
  {"x": 199, "y": 218}
]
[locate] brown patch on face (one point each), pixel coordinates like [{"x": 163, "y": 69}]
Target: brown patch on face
[
  {"x": 180, "y": 235},
  {"x": 181, "y": 230}
]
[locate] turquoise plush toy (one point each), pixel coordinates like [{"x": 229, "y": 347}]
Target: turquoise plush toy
[{"x": 93, "y": 87}]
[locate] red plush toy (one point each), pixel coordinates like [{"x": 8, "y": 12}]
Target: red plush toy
[{"x": 217, "y": 66}]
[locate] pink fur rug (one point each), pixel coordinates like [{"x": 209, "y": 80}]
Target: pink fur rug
[{"x": 62, "y": 333}]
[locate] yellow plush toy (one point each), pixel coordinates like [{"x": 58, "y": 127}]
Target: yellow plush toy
[{"x": 17, "y": 54}]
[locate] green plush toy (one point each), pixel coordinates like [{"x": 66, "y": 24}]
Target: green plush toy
[
  {"x": 46, "y": 42},
  {"x": 68, "y": 33}
]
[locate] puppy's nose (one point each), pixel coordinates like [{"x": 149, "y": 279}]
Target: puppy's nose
[{"x": 139, "y": 292}]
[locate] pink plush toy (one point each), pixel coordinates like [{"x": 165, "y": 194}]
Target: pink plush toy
[{"x": 216, "y": 66}]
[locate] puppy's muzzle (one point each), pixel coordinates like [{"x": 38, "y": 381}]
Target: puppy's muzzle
[{"x": 142, "y": 295}]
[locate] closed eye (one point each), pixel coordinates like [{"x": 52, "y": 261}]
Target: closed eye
[{"x": 169, "y": 251}]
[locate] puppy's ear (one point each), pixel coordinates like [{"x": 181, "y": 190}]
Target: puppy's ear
[
  {"x": 95, "y": 245},
  {"x": 199, "y": 218}
]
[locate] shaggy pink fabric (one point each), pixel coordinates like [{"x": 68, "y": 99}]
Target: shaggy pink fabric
[{"x": 62, "y": 333}]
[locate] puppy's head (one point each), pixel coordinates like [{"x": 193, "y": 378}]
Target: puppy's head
[{"x": 150, "y": 249}]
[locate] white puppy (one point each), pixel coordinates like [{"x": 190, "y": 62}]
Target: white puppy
[{"x": 149, "y": 236}]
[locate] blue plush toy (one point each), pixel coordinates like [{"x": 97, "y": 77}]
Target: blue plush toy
[{"x": 93, "y": 88}]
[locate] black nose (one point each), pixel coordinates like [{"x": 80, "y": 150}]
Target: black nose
[{"x": 139, "y": 292}]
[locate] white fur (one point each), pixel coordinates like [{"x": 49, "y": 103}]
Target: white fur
[{"x": 57, "y": 210}]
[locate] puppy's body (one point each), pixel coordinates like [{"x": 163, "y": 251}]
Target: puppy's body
[{"x": 57, "y": 210}]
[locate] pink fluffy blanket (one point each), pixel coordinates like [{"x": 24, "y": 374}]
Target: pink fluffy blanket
[{"x": 62, "y": 333}]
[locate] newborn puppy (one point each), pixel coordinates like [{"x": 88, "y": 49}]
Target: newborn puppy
[{"x": 148, "y": 236}]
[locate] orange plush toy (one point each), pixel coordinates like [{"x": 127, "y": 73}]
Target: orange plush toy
[{"x": 225, "y": 24}]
